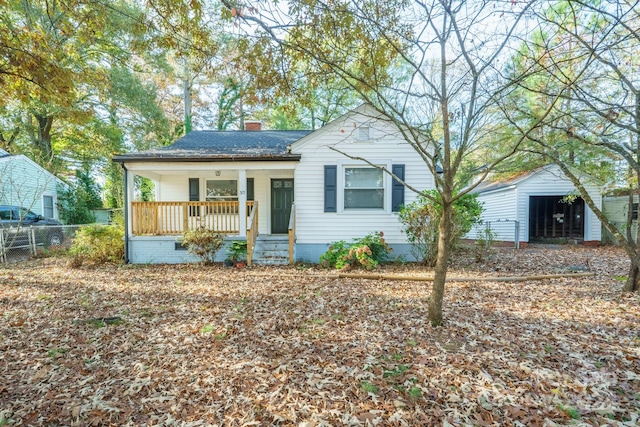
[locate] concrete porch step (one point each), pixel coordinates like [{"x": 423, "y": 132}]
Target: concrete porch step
[{"x": 271, "y": 250}]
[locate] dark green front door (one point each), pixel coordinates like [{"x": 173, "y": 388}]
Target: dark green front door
[{"x": 281, "y": 201}]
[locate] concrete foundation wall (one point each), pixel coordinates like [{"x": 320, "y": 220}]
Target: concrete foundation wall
[
  {"x": 163, "y": 250},
  {"x": 310, "y": 252}
]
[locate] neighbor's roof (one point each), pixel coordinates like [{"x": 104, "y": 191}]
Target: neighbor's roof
[
  {"x": 506, "y": 181},
  {"x": 201, "y": 146}
]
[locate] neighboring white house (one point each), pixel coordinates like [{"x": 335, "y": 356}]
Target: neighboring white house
[
  {"x": 25, "y": 183},
  {"x": 531, "y": 207},
  {"x": 244, "y": 184}
]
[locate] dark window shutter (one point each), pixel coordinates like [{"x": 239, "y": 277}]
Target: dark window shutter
[
  {"x": 250, "y": 190},
  {"x": 330, "y": 188},
  {"x": 194, "y": 195},
  {"x": 397, "y": 188},
  {"x": 194, "y": 189}
]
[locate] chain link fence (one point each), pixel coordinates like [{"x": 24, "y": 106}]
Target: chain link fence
[
  {"x": 25, "y": 242},
  {"x": 622, "y": 226}
]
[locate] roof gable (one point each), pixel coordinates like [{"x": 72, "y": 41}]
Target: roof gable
[
  {"x": 21, "y": 158},
  {"x": 513, "y": 180},
  {"x": 365, "y": 111}
]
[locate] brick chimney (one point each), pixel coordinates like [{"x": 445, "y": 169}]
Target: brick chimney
[{"x": 253, "y": 125}]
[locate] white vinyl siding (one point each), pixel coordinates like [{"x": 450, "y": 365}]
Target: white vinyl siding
[
  {"x": 500, "y": 213},
  {"x": 313, "y": 225},
  {"x": 24, "y": 183}
]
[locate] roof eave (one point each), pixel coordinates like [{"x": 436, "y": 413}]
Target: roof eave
[{"x": 206, "y": 159}]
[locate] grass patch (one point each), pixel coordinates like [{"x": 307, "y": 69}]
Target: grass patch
[
  {"x": 414, "y": 393},
  {"x": 101, "y": 322},
  {"x": 368, "y": 387},
  {"x": 55, "y": 352},
  {"x": 571, "y": 412},
  {"x": 396, "y": 372}
]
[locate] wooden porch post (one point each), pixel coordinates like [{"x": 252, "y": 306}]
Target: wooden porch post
[
  {"x": 242, "y": 201},
  {"x": 130, "y": 189}
]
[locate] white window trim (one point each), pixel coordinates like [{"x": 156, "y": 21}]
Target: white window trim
[
  {"x": 386, "y": 182},
  {"x": 54, "y": 200}
]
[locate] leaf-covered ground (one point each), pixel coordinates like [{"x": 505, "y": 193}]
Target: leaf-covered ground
[{"x": 192, "y": 345}]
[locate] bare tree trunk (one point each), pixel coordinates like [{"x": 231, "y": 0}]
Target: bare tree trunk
[
  {"x": 442, "y": 262},
  {"x": 43, "y": 140},
  {"x": 633, "y": 280}
]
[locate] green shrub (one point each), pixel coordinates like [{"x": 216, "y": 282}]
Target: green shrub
[
  {"x": 422, "y": 218},
  {"x": 237, "y": 251},
  {"x": 484, "y": 241},
  {"x": 366, "y": 252},
  {"x": 335, "y": 255},
  {"x": 76, "y": 200},
  {"x": 97, "y": 244},
  {"x": 203, "y": 243}
]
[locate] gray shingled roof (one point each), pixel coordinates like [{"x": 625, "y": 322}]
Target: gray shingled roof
[
  {"x": 505, "y": 182},
  {"x": 223, "y": 146}
]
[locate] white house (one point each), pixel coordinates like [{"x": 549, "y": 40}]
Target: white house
[
  {"x": 301, "y": 190},
  {"x": 531, "y": 207},
  {"x": 25, "y": 183}
]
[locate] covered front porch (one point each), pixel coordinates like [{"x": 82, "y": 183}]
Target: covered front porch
[
  {"x": 174, "y": 218},
  {"x": 238, "y": 203}
]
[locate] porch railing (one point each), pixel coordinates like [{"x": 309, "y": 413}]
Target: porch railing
[
  {"x": 252, "y": 232},
  {"x": 292, "y": 232},
  {"x": 172, "y": 218}
]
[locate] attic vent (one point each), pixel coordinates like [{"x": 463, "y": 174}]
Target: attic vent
[
  {"x": 364, "y": 133},
  {"x": 253, "y": 125}
]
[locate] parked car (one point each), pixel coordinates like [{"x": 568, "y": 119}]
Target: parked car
[{"x": 17, "y": 223}]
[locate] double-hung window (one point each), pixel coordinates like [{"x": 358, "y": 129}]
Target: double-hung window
[
  {"x": 363, "y": 188},
  {"x": 222, "y": 190},
  {"x": 360, "y": 187},
  {"x": 47, "y": 206}
]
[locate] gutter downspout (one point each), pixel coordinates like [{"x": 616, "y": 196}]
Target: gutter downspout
[{"x": 126, "y": 214}]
